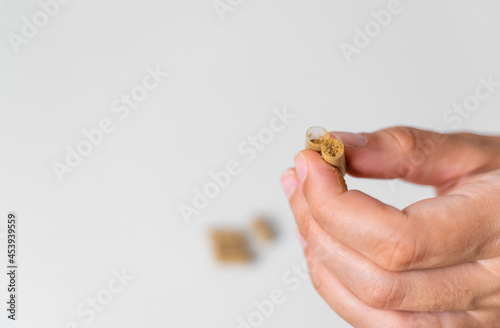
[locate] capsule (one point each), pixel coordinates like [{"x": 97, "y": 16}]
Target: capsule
[
  {"x": 332, "y": 151},
  {"x": 315, "y": 136},
  {"x": 262, "y": 229}
]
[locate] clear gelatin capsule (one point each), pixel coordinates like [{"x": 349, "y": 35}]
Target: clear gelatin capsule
[{"x": 315, "y": 137}]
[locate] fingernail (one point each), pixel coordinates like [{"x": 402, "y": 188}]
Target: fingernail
[
  {"x": 302, "y": 242},
  {"x": 301, "y": 167},
  {"x": 288, "y": 182},
  {"x": 349, "y": 139}
]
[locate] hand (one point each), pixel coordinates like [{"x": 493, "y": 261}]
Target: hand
[{"x": 435, "y": 263}]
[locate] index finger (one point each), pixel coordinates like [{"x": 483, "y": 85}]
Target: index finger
[{"x": 419, "y": 156}]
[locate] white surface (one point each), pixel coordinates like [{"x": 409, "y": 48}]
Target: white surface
[{"x": 119, "y": 208}]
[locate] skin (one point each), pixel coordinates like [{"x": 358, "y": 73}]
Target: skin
[{"x": 435, "y": 263}]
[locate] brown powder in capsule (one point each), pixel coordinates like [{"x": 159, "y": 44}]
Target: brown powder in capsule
[
  {"x": 332, "y": 147},
  {"x": 332, "y": 151}
]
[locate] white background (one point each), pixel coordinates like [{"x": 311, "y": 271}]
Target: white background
[{"x": 119, "y": 208}]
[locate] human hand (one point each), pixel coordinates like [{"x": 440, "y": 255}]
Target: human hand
[{"x": 435, "y": 263}]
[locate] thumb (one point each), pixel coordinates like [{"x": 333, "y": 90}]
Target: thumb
[{"x": 418, "y": 156}]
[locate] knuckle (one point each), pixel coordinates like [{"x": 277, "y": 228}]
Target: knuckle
[
  {"x": 323, "y": 212},
  {"x": 321, "y": 249},
  {"x": 303, "y": 220},
  {"x": 405, "y": 138},
  {"x": 382, "y": 292},
  {"x": 397, "y": 254},
  {"x": 423, "y": 320},
  {"x": 304, "y": 225},
  {"x": 316, "y": 281},
  {"x": 313, "y": 269},
  {"x": 408, "y": 142}
]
